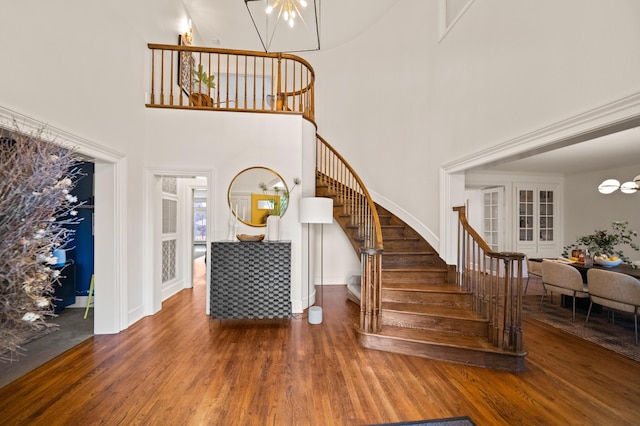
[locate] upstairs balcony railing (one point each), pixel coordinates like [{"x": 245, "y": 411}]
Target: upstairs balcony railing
[
  {"x": 495, "y": 280},
  {"x": 240, "y": 80}
]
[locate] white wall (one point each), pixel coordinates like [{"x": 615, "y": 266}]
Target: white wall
[
  {"x": 227, "y": 143},
  {"x": 504, "y": 70},
  {"x": 80, "y": 67},
  {"x": 587, "y": 210}
]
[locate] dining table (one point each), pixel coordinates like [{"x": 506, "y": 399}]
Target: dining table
[{"x": 622, "y": 268}]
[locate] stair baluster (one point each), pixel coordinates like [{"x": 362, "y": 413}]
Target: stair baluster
[{"x": 495, "y": 279}]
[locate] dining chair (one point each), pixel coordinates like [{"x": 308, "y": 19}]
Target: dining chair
[
  {"x": 564, "y": 279},
  {"x": 533, "y": 269},
  {"x": 615, "y": 291}
]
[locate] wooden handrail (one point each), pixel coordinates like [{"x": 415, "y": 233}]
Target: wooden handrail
[
  {"x": 245, "y": 81},
  {"x": 495, "y": 280},
  {"x": 354, "y": 202},
  {"x": 336, "y": 172}
]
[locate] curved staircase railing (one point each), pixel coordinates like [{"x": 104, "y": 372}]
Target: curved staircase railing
[
  {"x": 353, "y": 201},
  {"x": 495, "y": 280},
  {"x": 242, "y": 80}
]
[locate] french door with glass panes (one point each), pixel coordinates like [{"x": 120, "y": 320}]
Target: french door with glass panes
[
  {"x": 493, "y": 218},
  {"x": 537, "y": 221}
]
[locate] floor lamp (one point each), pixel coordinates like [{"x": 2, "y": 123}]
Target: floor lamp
[{"x": 315, "y": 210}]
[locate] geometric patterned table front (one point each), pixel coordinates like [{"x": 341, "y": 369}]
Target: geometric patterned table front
[{"x": 250, "y": 279}]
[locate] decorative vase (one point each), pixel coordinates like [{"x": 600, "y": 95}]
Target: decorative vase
[
  {"x": 233, "y": 226},
  {"x": 273, "y": 228}
]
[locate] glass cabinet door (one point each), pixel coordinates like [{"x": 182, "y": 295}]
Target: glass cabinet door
[{"x": 537, "y": 221}]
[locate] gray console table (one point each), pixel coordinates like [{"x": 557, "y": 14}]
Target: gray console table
[{"x": 250, "y": 279}]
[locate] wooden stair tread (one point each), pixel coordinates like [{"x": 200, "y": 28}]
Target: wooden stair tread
[
  {"x": 432, "y": 310},
  {"x": 414, "y": 268},
  {"x": 443, "y": 338},
  {"x": 424, "y": 288},
  {"x": 409, "y": 253}
]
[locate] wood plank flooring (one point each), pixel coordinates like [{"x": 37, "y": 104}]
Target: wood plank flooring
[{"x": 179, "y": 368}]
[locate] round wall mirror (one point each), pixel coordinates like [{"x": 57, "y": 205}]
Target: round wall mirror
[{"x": 257, "y": 193}]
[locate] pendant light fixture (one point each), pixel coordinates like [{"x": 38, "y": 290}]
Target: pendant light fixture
[
  {"x": 610, "y": 186},
  {"x": 286, "y": 25}
]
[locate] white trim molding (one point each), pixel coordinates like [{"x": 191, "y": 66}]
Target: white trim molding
[
  {"x": 84, "y": 146},
  {"x": 151, "y": 283}
]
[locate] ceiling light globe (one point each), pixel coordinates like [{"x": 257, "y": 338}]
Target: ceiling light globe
[
  {"x": 269, "y": 9},
  {"x": 629, "y": 187},
  {"x": 303, "y": 3},
  {"x": 609, "y": 186}
]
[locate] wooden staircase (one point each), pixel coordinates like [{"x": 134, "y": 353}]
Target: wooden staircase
[{"x": 424, "y": 312}]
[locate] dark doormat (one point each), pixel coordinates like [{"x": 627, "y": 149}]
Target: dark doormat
[{"x": 451, "y": 421}]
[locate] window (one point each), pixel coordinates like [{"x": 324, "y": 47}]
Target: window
[
  {"x": 492, "y": 217},
  {"x": 199, "y": 215}
]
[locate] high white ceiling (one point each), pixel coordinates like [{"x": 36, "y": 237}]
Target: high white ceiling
[{"x": 227, "y": 24}]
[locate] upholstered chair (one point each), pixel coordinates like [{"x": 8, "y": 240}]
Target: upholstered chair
[
  {"x": 534, "y": 269},
  {"x": 616, "y": 291},
  {"x": 564, "y": 279}
]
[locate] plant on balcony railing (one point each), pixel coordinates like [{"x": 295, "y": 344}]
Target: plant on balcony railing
[
  {"x": 202, "y": 85},
  {"x": 244, "y": 81}
]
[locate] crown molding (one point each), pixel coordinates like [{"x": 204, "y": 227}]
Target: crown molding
[
  {"x": 617, "y": 115},
  {"x": 10, "y": 119}
]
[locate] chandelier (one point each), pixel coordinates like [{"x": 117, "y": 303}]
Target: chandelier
[
  {"x": 286, "y": 25},
  {"x": 611, "y": 185},
  {"x": 288, "y": 9}
]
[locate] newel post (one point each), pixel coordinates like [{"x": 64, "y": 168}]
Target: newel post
[{"x": 371, "y": 290}]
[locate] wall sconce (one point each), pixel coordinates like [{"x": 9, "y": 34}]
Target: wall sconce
[
  {"x": 610, "y": 186},
  {"x": 188, "y": 34}
]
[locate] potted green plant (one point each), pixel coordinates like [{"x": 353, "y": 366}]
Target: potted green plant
[
  {"x": 279, "y": 196},
  {"x": 201, "y": 87},
  {"x": 604, "y": 244},
  {"x": 279, "y": 202}
]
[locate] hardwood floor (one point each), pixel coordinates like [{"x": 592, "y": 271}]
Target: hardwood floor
[{"x": 178, "y": 367}]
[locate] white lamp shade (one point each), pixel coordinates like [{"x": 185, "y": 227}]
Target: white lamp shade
[
  {"x": 316, "y": 210},
  {"x": 609, "y": 186}
]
